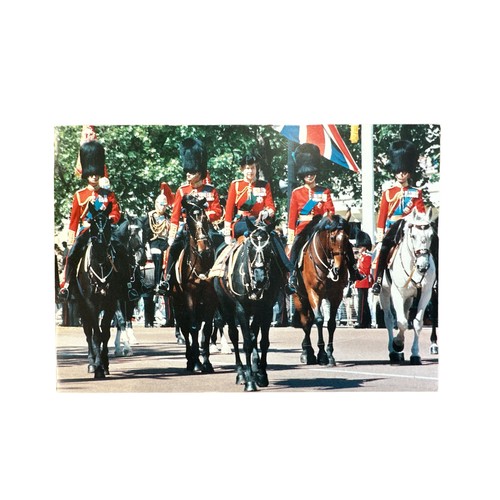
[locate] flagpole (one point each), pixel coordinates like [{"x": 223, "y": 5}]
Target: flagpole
[{"x": 367, "y": 181}]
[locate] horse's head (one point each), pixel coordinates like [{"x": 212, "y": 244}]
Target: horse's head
[
  {"x": 333, "y": 237},
  {"x": 259, "y": 255},
  {"x": 420, "y": 232},
  {"x": 197, "y": 221},
  {"x": 100, "y": 230}
]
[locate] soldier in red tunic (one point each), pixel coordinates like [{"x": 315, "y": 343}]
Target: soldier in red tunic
[
  {"x": 364, "y": 245},
  {"x": 97, "y": 192},
  {"x": 307, "y": 202},
  {"x": 251, "y": 197},
  {"x": 194, "y": 163},
  {"x": 397, "y": 202}
]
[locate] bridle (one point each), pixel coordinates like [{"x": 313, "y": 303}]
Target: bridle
[
  {"x": 416, "y": 253},
  {"x": 319, "y": 250}
]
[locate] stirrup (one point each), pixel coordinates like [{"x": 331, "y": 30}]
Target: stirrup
[
  {"x": 163, "y": 288},
  {"x": 376, "y": 288}
]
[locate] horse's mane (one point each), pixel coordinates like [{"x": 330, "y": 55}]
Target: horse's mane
[{"x": 327, "y": 224}]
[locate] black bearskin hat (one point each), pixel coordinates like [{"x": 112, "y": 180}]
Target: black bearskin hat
[
  {"x": 92, "y": 159},
  {"x": 363, "y": 240},
  {"x": 251, "y": 159},
  {"x": 308, "y": 159},
  {"x": 403, "y": 157},
  {"x": 193, "y": 156}
]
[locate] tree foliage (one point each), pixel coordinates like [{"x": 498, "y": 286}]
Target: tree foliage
[{"x": 140, "y": 157}]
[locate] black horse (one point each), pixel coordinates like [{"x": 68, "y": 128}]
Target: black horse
[
  {"x": 130, "y": 234},
  {"x": 247, "y": 292},
  {"x": 193, "y": 296},
  {"x": 98, "y": 290}
]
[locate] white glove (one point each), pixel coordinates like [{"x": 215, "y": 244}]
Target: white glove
[
  {"x": 170, "y": 241},
  {"x": 228, "y": 240},
  {"x": 264, "y": 214}
]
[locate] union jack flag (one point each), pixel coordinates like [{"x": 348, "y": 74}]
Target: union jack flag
[{"x": 326, "y": 137}]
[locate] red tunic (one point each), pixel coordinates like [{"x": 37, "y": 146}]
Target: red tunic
[
  {"x": 397, "y": 202},
  {"x": 364, "y": 267},
  {"x": 245, "y": 198},
  {"x": 321, "y": 203},
  {"x": 203, "y": 191},
  {"x": 79, "y": 210}
]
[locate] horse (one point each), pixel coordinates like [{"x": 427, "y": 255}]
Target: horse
[
  {"x": 130, "y": 232},
  {"x": 322, "y": 275},
  {"x": 98, "y": 290},
  {"x": 193, "y": 297},
  {"x": 410, "y": 274},
  {"x": 249, "y": 285}
]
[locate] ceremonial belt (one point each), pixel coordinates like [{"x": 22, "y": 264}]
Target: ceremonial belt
[{"x": 303, "y": 218}]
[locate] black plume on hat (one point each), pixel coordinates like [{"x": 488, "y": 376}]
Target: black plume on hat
[
  {"x": 307, "y": 159},
  {"x": 363, "y": 240},
  {"x": 403, "y": 157},
  {"x": 92, "y": 158},
  {"x": 193, "y": 156}
]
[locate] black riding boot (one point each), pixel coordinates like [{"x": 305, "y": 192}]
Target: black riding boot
[
  {"x": 381, "y": 267},
  {"x": 74, "y": 256},
  {"x": 123, "y": 268}
]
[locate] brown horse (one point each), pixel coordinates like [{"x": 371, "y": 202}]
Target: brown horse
[
  {"x": 322, "y": 274},
  {"x": 193, "y": 295}
]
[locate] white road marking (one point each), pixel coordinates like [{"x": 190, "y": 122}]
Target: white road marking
[{"x": 373, "y": 374}]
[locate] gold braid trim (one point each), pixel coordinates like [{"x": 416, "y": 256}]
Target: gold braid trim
[{"x": 157, "y": 227}]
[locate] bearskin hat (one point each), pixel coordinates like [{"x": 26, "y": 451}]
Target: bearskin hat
[
  {"x": 403, "y": 157},
  {"x": 308, "y": 159},
  {"x": 92, "y": 158},
  {"x": 193, "y": 156},
  {"x": 363, "y": 240}
]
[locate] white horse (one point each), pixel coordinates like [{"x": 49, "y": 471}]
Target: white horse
[{"x": 410, "y": 274}]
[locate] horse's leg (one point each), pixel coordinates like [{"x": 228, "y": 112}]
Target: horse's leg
[
  {"x": 105, "y": 336},
  {"x": 315, "y": 302},
  {"x": 434, "y": 349},
  {"x": 332, "y": 326},
  {"x": 306, "y": 320},
  {"x": 129, "y": 313},
  {"x": 418, "y": 323},
  {"x": 385, "y": 304},
  {"x": 126, "y": 350},
  {"x": 206, "y": 366},
  {"x": 87, "y": 329},
  {"x": 233, "y": 336},
  {"x": 261, "y": 375}
]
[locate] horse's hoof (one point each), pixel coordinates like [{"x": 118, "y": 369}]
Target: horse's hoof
[
  {"x": 240, "y": 379},
  {"x": 332, "y": 362},
  {"x": 434, "y": 349},
  {"x": 181, "y": 341},
  {"x": 91, "y": 369},
  {"x": 119, "y": 354},
  {"x": 322, "y": 359},
  {"x": 99, "y": 373},
  {"x": 396, "y": 357},
  {"x": 250, "y": 387},
  {"x": 308, "y": 358},
  {"x": 262, "y": 379},
  {"x": 207, "y": 368},
  {"x": 415, "y": 360},
  {"x": 398, "y": 347}
]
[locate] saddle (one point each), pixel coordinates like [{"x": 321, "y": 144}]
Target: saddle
[{"x": 228, "y": 253}]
